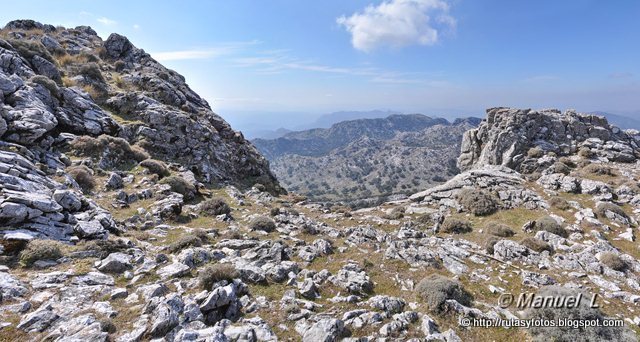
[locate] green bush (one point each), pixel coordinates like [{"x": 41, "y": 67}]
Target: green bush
[
  {"x": 477, "y": 201},
  {"x": 395, "y": 214},
  {"x": 31, "y": 48},
  {"x": 567, "y": 161},
  {"x": 549, "y": 224},
  {"x": 83, "y": 176},
  {"x": 536, "y": 245},
  {"x": 559, "y": 167},
  {"x": 613, "y": 261},
  {"x": 455, "y": 226},
  {"x": 490, "y": 243},
  {"x": 181, "y": 186},
  {"x": 41, "y": 250},
  {"x": 603, "y": 207},
  {"x": 214, "y": 207},
  {"x": 155, "y": 166},
  {"x": 47, "y": 83},
  {"x": 499, "y": 229},
  {"x": 599, "y": 169},
  {"x": 580, "y": 313},
  {"x": 559, "y": 203},
  {"x": 184, "y": 242},
  {"x": 585, "y": 152},
  {"x": 215, "y": 273},
  {"x": 275, "y": 211},
  {"x": 435, "y": 289},
  {"x": 104, "y": 247},
  {"x": 535, "y": 152},
  {"x": 91, "y": 71},
  {"x": 117, "y": 150},
  {"x": 262, "y": 223}
]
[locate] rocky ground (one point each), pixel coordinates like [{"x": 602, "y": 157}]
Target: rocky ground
[{"x": 100, "y": 242}]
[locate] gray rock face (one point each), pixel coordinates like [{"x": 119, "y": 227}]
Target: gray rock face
[
  {"x": 353, "y": 279},
  {"x": 325, "y": 330},
  {"x": 30, "y": 200},
  {"x": 115, "y": 263},
  {"x": 506, "y": 183},
  {"x": 506, "y": 135},
  {"x": 38, "y": 320},
  {"x": 507, "y": 250}
]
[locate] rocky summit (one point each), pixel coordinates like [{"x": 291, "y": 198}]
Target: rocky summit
[{"x": 129, "y": 211}]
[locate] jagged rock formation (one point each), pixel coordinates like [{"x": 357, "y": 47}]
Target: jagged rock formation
[
  {"x": 506, "y": 136},
  {"x": 364, "y": 162},
  {"x": 60, "y": 85}
]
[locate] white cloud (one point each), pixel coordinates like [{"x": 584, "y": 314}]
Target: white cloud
[
  {"x": 107, "y": 21},
  {"x": 398, "y": 23},
  {"x": 188, "y": 54},
  {"x": 136, "y": 26},
  {"x": 278, "y": 61},
  {"x": 224, "y": 49}
]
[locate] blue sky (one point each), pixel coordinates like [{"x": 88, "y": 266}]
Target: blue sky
[{"x": 278, "y": 62}]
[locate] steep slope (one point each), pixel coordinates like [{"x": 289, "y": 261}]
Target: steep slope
[{"x": 66, "y": 93}]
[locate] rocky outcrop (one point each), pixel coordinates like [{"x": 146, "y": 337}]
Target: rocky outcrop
[
  {"x": 507, "y": 184},
  {"x": 506, "y": 136},
  {"x": 59, "y": 86}
]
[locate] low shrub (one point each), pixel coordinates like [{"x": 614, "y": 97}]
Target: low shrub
[
  {"x": 559, "y": 203},
  {"x": 184, "y": 242},
  {"x": 91, "y": 71},
  {"x": 489, "y": 243},
  {"x": 535, "y": 152},
  {"x": 31, "y": 48},
  {"x": 395, "y": 214},
  {"x": 47, "y": 83},
  {"x": 112, "y": 150},
  {"x": 603, "y": 207},
  {"x": 40, "y": 250},
  {"x": 477, "y": 201},
  {"x": 549, "y": 224},
  {"x": 567, "y": 161},
  {"x": 214, "y": 207},
  {"x": 613, "y": 261},
  {"x": 215, "y": 273},
  {"x": 104, "y": 247},
  {"x": 559, "y": 167},
  {"x": 435, "y": 289},
  {"x": 499, "y": 229},
  {"x": 275, "y": 211},
  {"x": 83, "y": 176},
  {"x": 536, "y": 245},
  {"x": 586, "y": 152},
  {"x": 598, "y": 169},
  {"x": 180, "y": 185},
  {"x": 455, "y": 226},
  {"x": 262, "y": 223},
  {"x": 156, "y": 167}
]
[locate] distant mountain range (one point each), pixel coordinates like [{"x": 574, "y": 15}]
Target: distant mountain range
[
  {"x": 364, "y": 161},
  {"x": 622, "y": 121}
]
